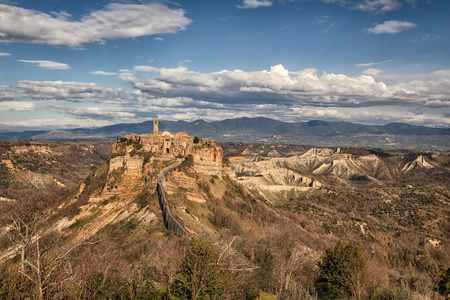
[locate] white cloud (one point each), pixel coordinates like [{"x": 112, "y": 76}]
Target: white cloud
[
  {"x": 5, "y": 54},
  {"x": 98, "y": 113},
  {"x": 376, "y": 115},
  {"x": 280, "y": 93},
  {"x": 318, "y": 113},
  {"x": 430, "y": 87},
  {"x": 365, "y": 64},
  {"x": 72, "y": 91},
  {"x": 117, "y": 21},
  {"x": 264, "y": 86},
  {"x": 48, "y": 64},
  {"x": 372, "y": 71},
  {"x": 6, "y": 94},
  {"x": 183, "y": 88},
  {"x": 160, "y": 39},
  {"x": 103, "y": 73},
  {"x": 391, "y": 27},
  {"x": 17, "y": 106},
  {"x": 372, "y": 6},
  {"x": 145, "y": 69},
  {"x": 438, "y": 103},
  {"x": 255, "y": 3},
  {"x": 379, "y": 6},
  {"x": 369, "y": 64},
  {"x": 53, "y": 123},
  {"x": 440, "y": 75},
  {"x": 180, "y": 94}
]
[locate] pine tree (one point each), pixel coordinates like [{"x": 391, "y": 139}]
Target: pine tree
[
  {"x": 343, "y": 270},
  {"x": 199, "y": 276}
]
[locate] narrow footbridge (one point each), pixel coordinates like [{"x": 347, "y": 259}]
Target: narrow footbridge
[{"x": 169, "y": 220}]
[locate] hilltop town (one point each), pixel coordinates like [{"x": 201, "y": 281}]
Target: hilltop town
[{"x": 166, "y": 145}]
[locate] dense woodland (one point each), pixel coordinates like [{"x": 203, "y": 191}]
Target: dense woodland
[{"x": 360, "y": 240}]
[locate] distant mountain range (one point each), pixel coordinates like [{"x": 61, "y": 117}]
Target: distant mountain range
[{"x": 396, "y": 135}]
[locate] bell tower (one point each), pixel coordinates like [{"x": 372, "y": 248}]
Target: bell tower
[{"x": 155, "y": 126}]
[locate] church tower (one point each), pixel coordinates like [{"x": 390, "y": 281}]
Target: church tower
[{"x": 155, "y": 126}]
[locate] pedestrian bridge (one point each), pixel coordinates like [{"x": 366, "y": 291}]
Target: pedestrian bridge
[{"x": 170, "y": 222}]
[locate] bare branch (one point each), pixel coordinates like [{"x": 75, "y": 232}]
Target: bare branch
[
  {"x": 31, "y": 279},
  {"x": 226, "y": 248}
]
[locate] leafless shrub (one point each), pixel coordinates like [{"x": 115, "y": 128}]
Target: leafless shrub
[{"x": 296, "y": 292}]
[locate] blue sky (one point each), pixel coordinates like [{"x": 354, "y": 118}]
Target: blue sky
[{"x": 67, "y": 64}]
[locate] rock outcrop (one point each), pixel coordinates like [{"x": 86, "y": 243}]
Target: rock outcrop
[
  {"x": 310, "y": 170},
  {"x": 419, "y": 162},
  {"x": 38, "y": 148},
  {"x": 179, "y": 182}
]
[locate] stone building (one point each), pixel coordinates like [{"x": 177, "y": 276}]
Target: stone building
[{"x": 170, "y": 145}]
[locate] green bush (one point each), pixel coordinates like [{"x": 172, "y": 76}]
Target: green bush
[
  {"x": 143, "y": 198},
  {"x": 444, "y": 284},
  {"x": 343, "y": 270},
  {"x": 265, "y": 259},
  {"x": 199, "y": 276},
  {"x": 107, "y": 286}
]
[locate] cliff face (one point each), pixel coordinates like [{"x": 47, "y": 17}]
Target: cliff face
[
  {"x": 38, "y": 148},
  {"x": 208, "y": 159},
  {"x": 118, "y": 189},
  {"x": 179, "y": 182},
  {"x": 208, "y": 155},
  {"x": 124, "y": 177}
]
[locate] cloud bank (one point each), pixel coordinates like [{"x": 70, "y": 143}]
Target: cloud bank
[
  {"x": 117, "y": 21},
  {"x": 279, "y": 93},
  {"x": 17, "y": 106},
  {"x": 68, "y": 91},
  {"x": 275, "y": 85},
  {"x": 281, "y": 86}
]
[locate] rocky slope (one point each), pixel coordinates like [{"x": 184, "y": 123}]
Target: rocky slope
[
  {"x": 269, "y": 217},
  {"x": 26, "y": 164},
  {"x": 278, "y": 178}
]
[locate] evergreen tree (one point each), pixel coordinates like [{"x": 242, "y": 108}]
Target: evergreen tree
[
  {"x": 199, "y": 276},
  {"x": 343, "y": 270}
]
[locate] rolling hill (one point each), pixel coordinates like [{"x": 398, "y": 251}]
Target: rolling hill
[{"x": 319, "y": 133}]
